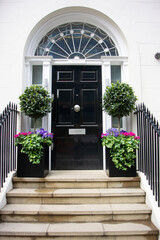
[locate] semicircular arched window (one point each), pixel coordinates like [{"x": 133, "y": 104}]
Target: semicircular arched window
[{"x": 76, "y": 41}]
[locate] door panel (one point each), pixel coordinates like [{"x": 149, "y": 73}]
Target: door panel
[
  {"x": 64, "y": 102},
  {"x": 89, "y": 106},
  {"x": 77, "y": 142}
]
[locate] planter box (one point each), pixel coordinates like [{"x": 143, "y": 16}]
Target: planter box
[
  {"x": 115, "y": 172},
  {"x": 27, "y": 169}
]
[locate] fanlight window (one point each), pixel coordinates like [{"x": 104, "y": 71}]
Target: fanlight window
[{"x": 76, "y": 41}]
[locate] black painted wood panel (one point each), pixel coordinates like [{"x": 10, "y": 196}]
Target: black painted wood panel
[{"x": 77, "y": 142}]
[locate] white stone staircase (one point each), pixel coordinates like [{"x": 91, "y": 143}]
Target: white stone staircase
[{"x": 77, "y": 205}]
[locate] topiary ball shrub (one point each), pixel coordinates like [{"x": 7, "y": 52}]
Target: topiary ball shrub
[
  {"x": 119, "y": 100},
  {"x": 35, "y": 102}
]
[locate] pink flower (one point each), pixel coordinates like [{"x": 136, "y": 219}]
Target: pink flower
[
  {"x": 103, "y": 135},
  {"x": 29, "y": 133},
  {"x": 137, "y": 137},
  {"x": 131, "y": 134},
  {"x": 125, "y": 134},
  {"x": 24, "y": 133}
]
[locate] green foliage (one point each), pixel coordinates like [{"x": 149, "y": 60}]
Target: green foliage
[
  {"x": 119, "y": 100},
  {"x": 35, "y": 102},
  {"x": 122, "y": 150},
  {"x": 32, "y": 145}
]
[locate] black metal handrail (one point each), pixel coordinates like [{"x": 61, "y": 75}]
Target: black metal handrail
[
  {"x": 8, "y": 128},
  {"x": 149, "y": 152}
]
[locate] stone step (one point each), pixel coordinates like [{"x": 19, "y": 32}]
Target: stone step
[
  {"x": 75, "y": 213},
  {"x": 58, "y": 183},
  {"x": 75, "y": 196},
  {"x": 76, "y": 231}
]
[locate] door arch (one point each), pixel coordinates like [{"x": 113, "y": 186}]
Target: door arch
[{"x": 74, "y": 14}]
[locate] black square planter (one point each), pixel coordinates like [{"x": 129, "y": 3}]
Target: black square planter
[
  {"x": 27, "y": 169},
  {"x": 115, "y": 172}
]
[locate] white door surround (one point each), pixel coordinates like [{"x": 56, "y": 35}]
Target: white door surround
[{"x": 47, "y": 61}]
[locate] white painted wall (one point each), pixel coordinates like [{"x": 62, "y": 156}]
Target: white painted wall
[
  {"x": 6, "y": 188},
  {"x": 150, "y": 201}
]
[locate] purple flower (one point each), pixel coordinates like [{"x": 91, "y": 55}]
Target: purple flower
[
  {"x": 44, "y": 134},
  {"x": 111, "y": 131},
  {"x": 122, "y": 131}
]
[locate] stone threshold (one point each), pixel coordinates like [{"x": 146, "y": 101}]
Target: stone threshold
[{"x": 77, "y": 176}]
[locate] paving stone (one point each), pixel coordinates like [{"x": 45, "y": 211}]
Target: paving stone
[
  {"x": 76, "y": 209},
  {"x": 129, "y": 228},
  {"x": 72, "y": 229},
  {"x": 77, "y": 174},
  {"x": 121, "y": 192},
  {"x": 130, "y": 208},
  {"x": 76, "y": 192},
  {"x": 25, "y": 192},
  {"x": 21, "y": 209},
  {"x": 23, "y": 229}
]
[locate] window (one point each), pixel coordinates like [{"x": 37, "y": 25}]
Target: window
[
  {"x": 38, "y": 123},
  {"x": 37, "y": 74},
  {"x": 76, "y": 41},
  {"x": 116, "y": 76},
  {"x": 115, "y": 73},
  {"x": 37, "y": 79}
]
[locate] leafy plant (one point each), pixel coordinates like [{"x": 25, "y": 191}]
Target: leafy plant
[
  {"x": 35, "y": 102},
  {"x": 119, "y": 100},
  {"x": 122, "y": 147},
  {"x": 33, "y": 143}
]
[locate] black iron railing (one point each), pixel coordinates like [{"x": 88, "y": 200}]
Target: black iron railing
[
  {"x": 8, "y": 128},
  {"x": 149, "y": 152}
]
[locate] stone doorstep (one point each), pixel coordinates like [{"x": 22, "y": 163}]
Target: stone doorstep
[
  {"x": 44, "y": 192},
  {"x": 77, "y": 179},
  {"x": 85, "y": 209},
  {"x": 78, "y": 229}
]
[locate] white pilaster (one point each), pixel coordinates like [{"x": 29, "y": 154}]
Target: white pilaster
[
  {"x": 106, "y": 80},
  {"x": 26, "y": 121},
  {"x": 124, "y": 72},
  {"x": 47, "y": 83},
  {"x": 28, "y": 75},
  {"x": 124, "y": 79}
]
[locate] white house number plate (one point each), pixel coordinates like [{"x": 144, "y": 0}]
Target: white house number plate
[{"x": 77, "y": 131}]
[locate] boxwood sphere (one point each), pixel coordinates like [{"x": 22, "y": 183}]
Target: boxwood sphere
[
  {"x": 119, "y": 100},
  {"x": 35, "y": 102}
]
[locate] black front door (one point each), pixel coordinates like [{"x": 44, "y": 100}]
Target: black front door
[{"x": 77, "y": 117}]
